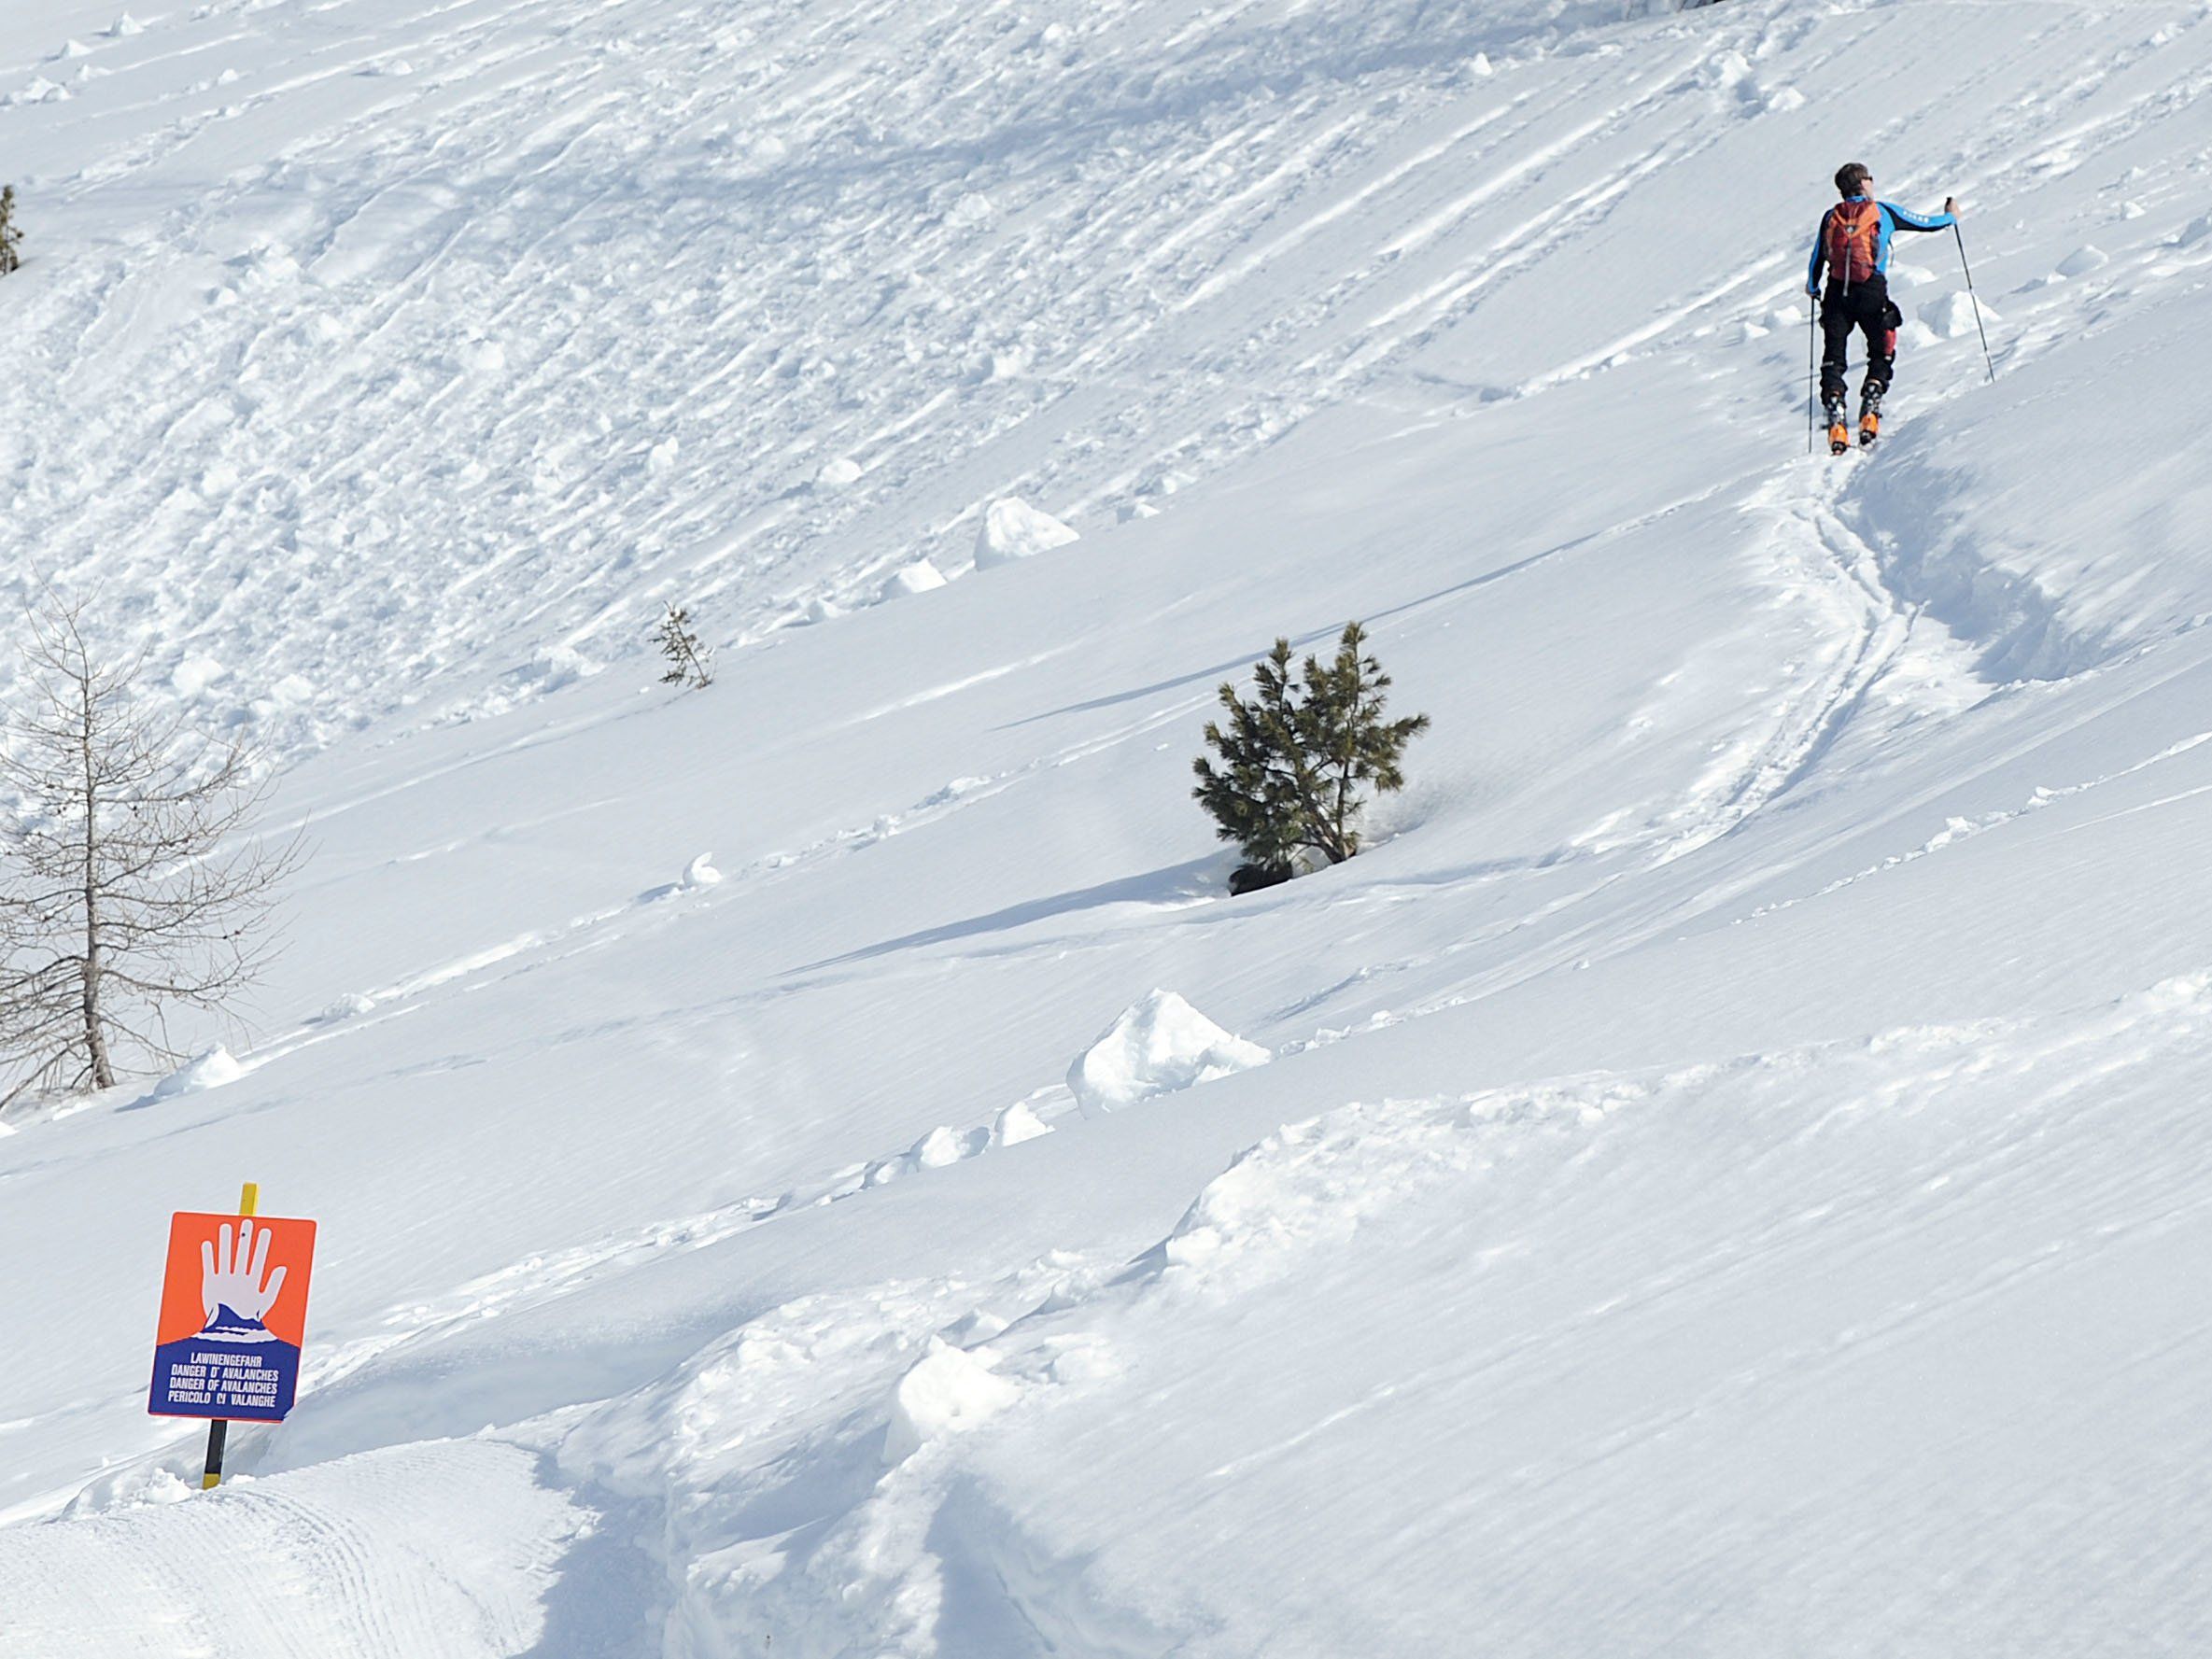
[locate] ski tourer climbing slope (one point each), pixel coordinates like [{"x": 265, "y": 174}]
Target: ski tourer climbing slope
[{"x": 1854, "y": 243}]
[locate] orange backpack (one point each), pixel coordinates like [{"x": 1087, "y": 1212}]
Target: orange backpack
[{"x": 1854, "y": 238}]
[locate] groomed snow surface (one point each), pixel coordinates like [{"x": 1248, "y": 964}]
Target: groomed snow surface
[{"x": 1725, "y": 1173}]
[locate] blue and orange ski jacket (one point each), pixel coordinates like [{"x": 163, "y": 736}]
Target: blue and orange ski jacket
[{"x": 1892, "y": 218}]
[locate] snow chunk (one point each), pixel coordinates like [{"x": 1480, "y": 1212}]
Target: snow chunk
[
  {"x": 943, "y": 1146},
  {"x": 1726, "y": 70},
  {"x": 121, "y": 1490},
  {"x": 562, "y": 666},
  {"x": 1019, "y": 1122},
  {"x": 211, "y": 1069},
  {"x": 836, "y": 474},
  {"x": 124, "y": 27},
  {"x": 940, "y": 1148},
  {"x": 195, "y": 674},
  {"x": 2083, "y": 259},
  {"x": 349, "y": 1006},
  {"x": 2179, "y": 992},
  {"x": 701, "y": 872},
  {"x": 971, "y": 211},
  {"x": 1160, "y": 1045},
  {"x": 269, "y": 268},
  {"x": 1783, "y": 100},
  {"x": 916, "y": 578},
  {"x": 949, "y": 1392},
  {"x": 41, "y": 90},
  {"x": 952, "y": 791},
  {"x": 1013, "y": 529},
  {"x": 1953, "y": 315},
  {"x": 2195, "y": 231}
]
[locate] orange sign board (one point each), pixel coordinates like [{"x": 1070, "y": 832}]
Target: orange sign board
[{"x": 233, "y": 1317}]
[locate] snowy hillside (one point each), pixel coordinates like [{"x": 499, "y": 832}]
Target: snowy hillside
[{"x": 1723, "y": 1173}]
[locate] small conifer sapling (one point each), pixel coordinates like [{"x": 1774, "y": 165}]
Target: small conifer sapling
[
  {"x": 690, "y": 663},
  {"x": 1297, "y": 760},
  {"x": 11, "y": 238}
]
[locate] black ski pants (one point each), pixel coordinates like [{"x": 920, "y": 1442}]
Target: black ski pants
[{"x": 1865, "y": 307}]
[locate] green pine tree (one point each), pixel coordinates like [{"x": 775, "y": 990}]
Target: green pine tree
[
  {"x": 12, "y": 239},
  {"x": 1298, "y": 758}
]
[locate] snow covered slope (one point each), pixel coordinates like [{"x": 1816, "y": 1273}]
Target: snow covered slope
[{"x": 1722, "y": 1173}]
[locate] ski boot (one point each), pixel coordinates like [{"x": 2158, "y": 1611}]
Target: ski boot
[
  {"x": 1869, "y": 420},
  {"x": 1838, "y": 428}
]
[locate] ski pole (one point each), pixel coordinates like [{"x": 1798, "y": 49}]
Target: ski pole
[
  {"x": 1812, "y": 372},
  {"x": 1977, "y": 298}
]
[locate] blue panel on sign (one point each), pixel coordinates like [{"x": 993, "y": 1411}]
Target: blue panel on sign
[{"x": 207, "y": 1376}]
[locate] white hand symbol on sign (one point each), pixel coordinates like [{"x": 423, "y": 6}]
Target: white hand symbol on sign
[{"x": 234, "y": 1281}]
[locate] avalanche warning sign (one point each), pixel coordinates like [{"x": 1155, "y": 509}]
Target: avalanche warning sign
[{"x": 233, "y": 1315}]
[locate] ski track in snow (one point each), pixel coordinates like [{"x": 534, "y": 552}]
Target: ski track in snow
[
  {"x": 283, "y": 493},
  {"x": 356, "y": 1556}
]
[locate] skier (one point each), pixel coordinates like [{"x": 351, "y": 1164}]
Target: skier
[{"x": 1853, "y": 243}]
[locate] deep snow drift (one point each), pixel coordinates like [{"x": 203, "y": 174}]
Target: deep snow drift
[{"x": 1722, "y": 1174}]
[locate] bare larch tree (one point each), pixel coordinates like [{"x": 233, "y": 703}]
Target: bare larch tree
[{"x": 130, "y": 881}]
